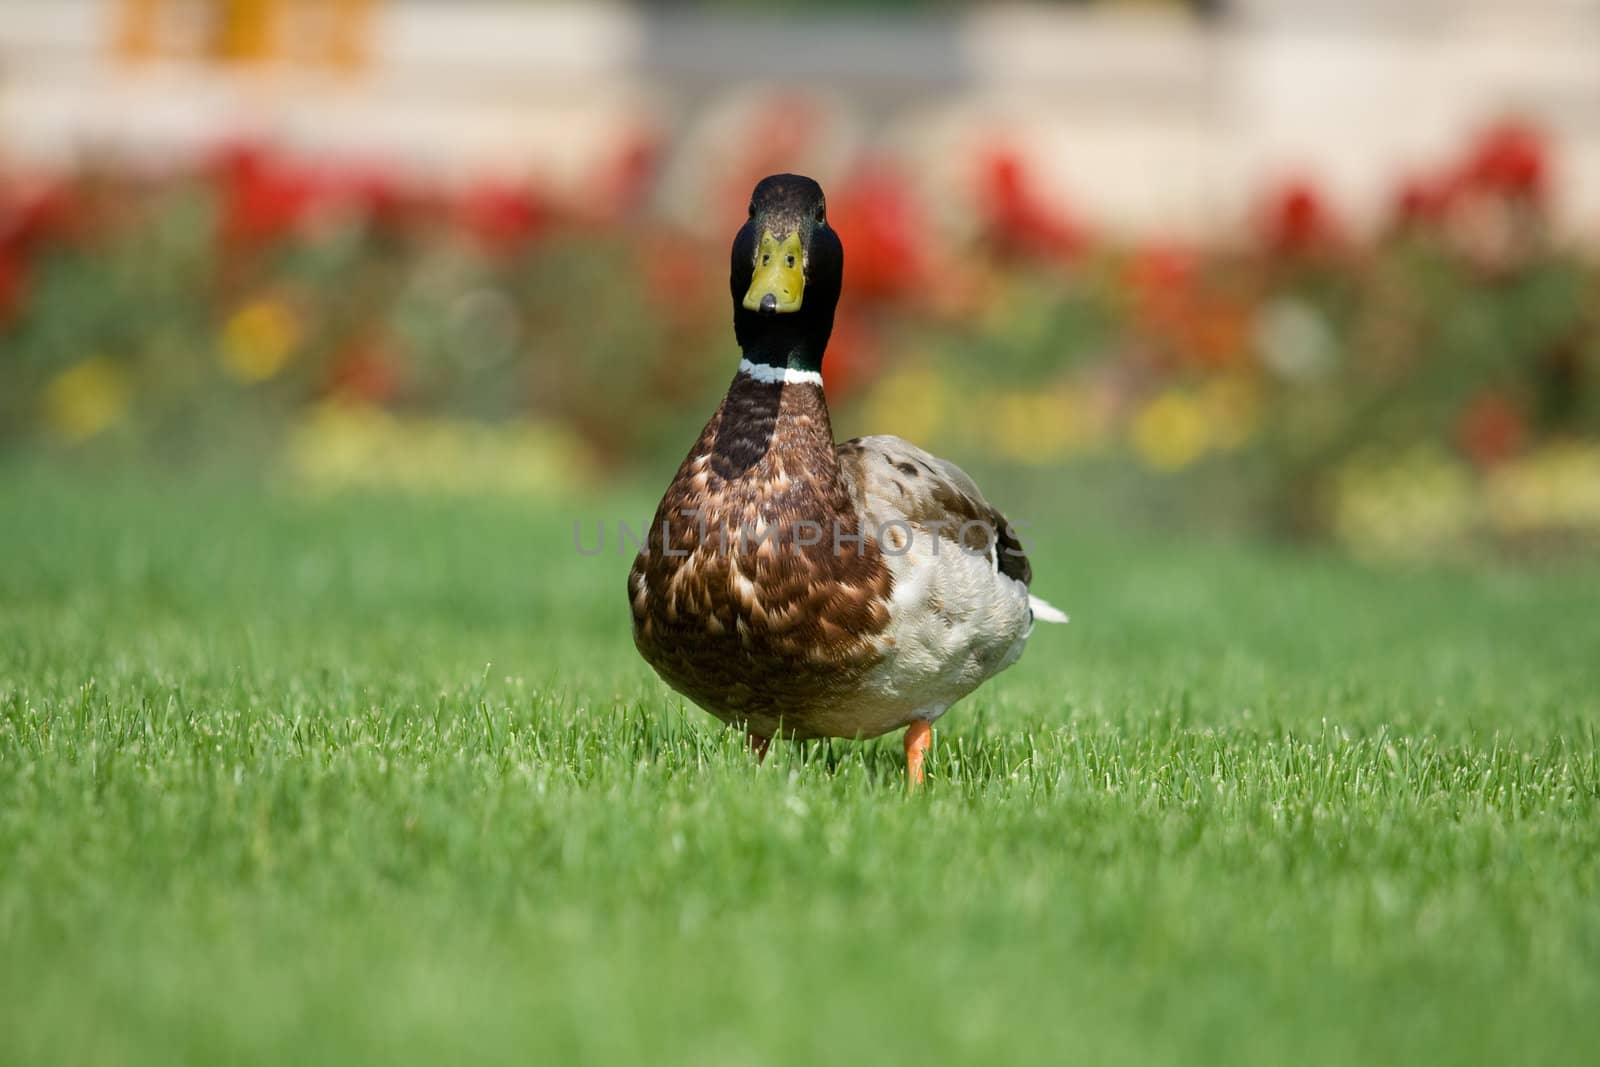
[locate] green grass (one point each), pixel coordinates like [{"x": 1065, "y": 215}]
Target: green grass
[{"x": 370, "y": 780}]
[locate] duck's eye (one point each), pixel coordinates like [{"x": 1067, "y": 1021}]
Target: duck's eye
[
  {"x": 789, "y": 261},
  {"x": 752, "y": 209},
  {"x": 822, "y": 214},
  {"x": 766, "y": 257}
]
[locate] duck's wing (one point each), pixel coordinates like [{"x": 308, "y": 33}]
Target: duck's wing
[{"x": 892, "y": 481}]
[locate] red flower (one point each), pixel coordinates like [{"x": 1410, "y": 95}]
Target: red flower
[
  {"x": 1422, "y": 201},
  {"x": 44, "y": 213},
  {"x": 1510, "y": 159},
  {"x": 28, "y": 219},
  {"x": 1491, "y": 429},
  {"x": 1018, "y": 220},
  {"x": 500, "y": 216},
  {"x": 623, "y": 184},
  {"x": 365, "y": 372},
  {"x": 853, "y": 355},
  {"x": 265, "y": 197},
  {"x": 1185, "y": 320},
  {"x": 882, "y": 233},
  {"x": 1159, "y": 283},
  {"x": 680, "y": 277},
  {"x": 1296, "y": 220},
  {"x": 1156, "y": 274},
  {"x": 379, "y": 197}
]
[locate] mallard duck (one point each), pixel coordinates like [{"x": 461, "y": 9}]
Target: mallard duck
[{"x": 802, "y": 588}]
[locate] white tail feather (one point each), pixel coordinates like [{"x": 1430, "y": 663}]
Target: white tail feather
[{"x": 1044, "y": 611}]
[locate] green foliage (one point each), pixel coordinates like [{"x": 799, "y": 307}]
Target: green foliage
[{"x": 357, "y": 779}]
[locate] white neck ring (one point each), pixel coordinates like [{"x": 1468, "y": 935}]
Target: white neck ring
[{"x": 767, "y": 374}]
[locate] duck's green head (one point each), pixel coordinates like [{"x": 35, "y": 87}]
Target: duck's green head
[{"x": 786, "y": 272}]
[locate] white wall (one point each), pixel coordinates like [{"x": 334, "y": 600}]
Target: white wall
[{"x": 1142, "y": 121}]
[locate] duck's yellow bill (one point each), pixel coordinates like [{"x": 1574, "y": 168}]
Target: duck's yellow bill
[{"x": 780, "y": 280}]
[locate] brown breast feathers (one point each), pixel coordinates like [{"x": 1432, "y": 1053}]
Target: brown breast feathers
[{"x": 755, "y": 595}]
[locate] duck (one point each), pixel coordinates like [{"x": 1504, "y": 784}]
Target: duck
[{"x": 801, "y": 588}]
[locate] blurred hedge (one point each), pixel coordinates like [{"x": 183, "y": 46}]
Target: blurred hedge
[{"x": 1329, "y": 377}]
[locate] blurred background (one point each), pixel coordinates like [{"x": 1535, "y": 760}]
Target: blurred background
[{"x": 1314, "y": 269}]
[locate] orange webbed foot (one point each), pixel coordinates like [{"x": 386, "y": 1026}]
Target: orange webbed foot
[{"x": 918, "y": 736}]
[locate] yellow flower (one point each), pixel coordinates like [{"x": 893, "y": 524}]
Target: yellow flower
[
  {"x": 1554, "y": 489},
  {"x": 85, "y": 399},
  {"x": 259, "y": 340},
  {"x": 1171, "y": 432},
  {"x": 1040, "y": 427},
  {"x": 1420, "y": 504},
  {"x": 336, "y": 446}
]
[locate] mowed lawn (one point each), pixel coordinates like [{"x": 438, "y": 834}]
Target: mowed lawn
[{"x": 374, "y": 780}]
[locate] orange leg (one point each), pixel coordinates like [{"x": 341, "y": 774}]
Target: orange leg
[
  {"x": 758, "y": 745},
  {"x": 918, "y": 735}
]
